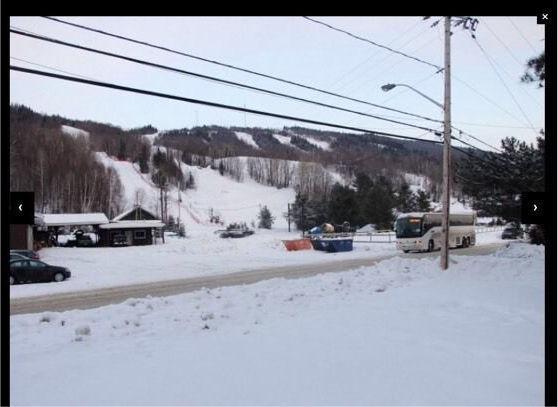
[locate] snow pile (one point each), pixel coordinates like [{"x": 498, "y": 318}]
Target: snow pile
[
  {"x": 401, "y": 332},
  {"x": 247, "y": 138}
]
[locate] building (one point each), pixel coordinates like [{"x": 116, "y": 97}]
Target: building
[
  {"x": 53, "y": 222},
  {"x": 21, "y": 235},
  {"x": 134, "y": 227}
]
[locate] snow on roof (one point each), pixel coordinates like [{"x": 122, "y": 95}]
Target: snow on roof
[
  {"x": 124, "y": 214},
  {"x": 63, "y": 219},
  {"x": 132, "y": 224}
]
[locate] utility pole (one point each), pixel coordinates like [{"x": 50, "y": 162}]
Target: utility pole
[
  {"x": 447, "y": 140},
  {"x": 289, "y": 216}
]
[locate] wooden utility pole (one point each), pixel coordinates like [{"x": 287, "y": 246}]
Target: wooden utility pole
[
  {"x": 289, "y": 216},
  {"x": 447, "y": 143}
]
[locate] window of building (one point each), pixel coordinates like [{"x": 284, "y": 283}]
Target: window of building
[{"x": 139, "y": 234}]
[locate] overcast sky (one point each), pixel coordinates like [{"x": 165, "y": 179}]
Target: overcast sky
[{"x": 292, "y": 48}]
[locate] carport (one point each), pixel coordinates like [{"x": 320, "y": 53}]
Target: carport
[{"x": 54, "y": 221}]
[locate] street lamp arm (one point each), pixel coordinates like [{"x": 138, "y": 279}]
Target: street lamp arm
[{"x": 422, "y": 94}]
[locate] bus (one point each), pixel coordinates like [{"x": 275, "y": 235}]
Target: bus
[{"x": 421, "y": 231}]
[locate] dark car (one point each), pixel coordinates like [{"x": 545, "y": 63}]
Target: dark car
[
  {"x": 30, "y": 254},
  {"x": 15, "y": 256},
  {"x": 34, "y": 271},
  {"x": 80, "y": 240},
  {"x": 512, "y": 232}
]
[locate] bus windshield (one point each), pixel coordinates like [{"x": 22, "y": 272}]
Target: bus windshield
[{"x": 408, "y": 227}]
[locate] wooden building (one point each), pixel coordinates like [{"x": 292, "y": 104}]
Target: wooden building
[{"x": 134, "y": 227}]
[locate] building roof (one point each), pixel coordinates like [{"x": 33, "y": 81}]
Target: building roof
[
  {"x": 133, "y": 224},
  {"x": 64, "y": 219},
  {"x": 124, "y": 214}
]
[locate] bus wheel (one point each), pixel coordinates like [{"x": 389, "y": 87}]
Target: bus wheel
[
  {"x": 431, "y": 245},
  {"x": 464, "y": 243},
  {"x": 468, "y": 241}
]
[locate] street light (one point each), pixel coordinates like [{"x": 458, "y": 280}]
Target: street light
[
  {"x": 444, "y": 260},
  {"x": 389, "y": 86}
]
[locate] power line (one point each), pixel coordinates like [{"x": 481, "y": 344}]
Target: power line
[
  {"x": 522, "y": 36},
  {"x": 503, "y": 83},
  {"x": 522, "y": 64},
  {"x": 332, "y": 85},
  {"x": 386, "y": 57},
  {"x": 188, "y": 55},
  {"x": 372, "y": 42},
  {"x": 486, "y": 98},
  {"x": 51, "y": 68},
  {"x": 212, "y": 104},
  {"x": 395, "y": 63},
  {"x": 211, "y": 78},
  {"x": 477, "y": 139},
  {"x": 229, "y": 107}
]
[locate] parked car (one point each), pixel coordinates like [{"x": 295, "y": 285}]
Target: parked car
[
  {"x": 30, "y": 254},
  {"x": 34, "y": 271},
  {"x": 512, "y": 231},
  {"x": 80, "y": 240},
  {"x": 15, "y": 256}
]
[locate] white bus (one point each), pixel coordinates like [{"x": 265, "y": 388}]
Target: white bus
[{"x": 422, "y": 231}]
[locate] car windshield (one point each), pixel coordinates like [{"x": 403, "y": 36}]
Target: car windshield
[{"x": 408, "y": 227}]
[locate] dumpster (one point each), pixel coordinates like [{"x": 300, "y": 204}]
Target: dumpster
[
  {"x": 297, "y": 244},
  {"x": 319, "y": 244},
  {"x": 334, "y": 245}
]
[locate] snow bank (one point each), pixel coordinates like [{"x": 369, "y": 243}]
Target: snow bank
[{"x": 401, "y": 332}]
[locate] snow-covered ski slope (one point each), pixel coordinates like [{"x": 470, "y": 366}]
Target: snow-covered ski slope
[{"x": 221, "y": 195}]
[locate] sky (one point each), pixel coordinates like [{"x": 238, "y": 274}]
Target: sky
[{"x": 488, "y": 100}]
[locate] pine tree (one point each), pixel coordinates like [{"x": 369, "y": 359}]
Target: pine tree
[
  {"x": 422, "y": 202},
  {"x": 406, "y": 200},
  {"x": 265, "y": 218},
  {"x": 495, "y": 184},
  {"x": 342, "y": 205}
]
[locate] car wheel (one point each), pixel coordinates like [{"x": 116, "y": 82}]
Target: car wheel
[
  {"x": 12, "y": 280},
  {"x": 58, "y": 277},
  {"x": 431, "y": 245}
]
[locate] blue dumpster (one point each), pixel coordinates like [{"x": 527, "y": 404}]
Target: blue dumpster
[
  {"x": 319, "y": 244},
  {"x": 333, "y": 245}
]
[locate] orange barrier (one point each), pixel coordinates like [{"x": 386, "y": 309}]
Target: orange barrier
[{"x": 298, "y": 244}]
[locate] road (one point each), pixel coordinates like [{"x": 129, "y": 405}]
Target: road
[{"x": 114, "y": 295}]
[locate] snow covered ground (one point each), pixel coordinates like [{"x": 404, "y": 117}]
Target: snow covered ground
[
  {"x": 202, "y": 254},
  {"x": 398, "y": 333}
]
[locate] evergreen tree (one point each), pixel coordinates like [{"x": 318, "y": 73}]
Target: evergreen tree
[
  {"x": 422, "y": 202},
  {"x": 378, "y": 205},
  {"x": 342, "y": 205},
  {"x": 265, "y": 218},
  {"x": 496, "y": 183},
  {"x": 121, "y": 149},
  {"x": 406, "y": 200},
  {"x": 143, "y": 159}
]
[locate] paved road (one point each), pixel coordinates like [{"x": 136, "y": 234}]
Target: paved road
[{"x": 112, "y": 295}]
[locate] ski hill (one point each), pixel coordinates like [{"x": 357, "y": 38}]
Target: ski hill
[{"x": 216, "y": 194}]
